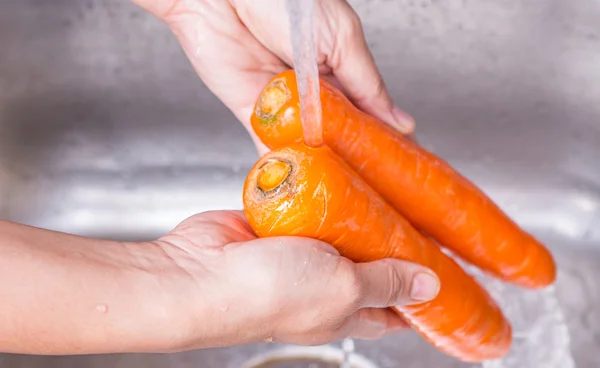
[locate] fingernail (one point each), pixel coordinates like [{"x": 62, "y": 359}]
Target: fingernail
[
  {"x": 404, "y": 122},
  {"x": 424, "y": 287}
]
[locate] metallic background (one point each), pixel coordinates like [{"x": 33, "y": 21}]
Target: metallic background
[{"x": 105, "y": 131}]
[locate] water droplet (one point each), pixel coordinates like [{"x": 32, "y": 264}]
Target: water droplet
[
  {"x": 268, "y": 339},
  {"x": 101, "y": 308}
]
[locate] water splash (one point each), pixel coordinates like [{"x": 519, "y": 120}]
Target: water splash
[
  {"x": 348, "y": 350},
  {"x": 540, "y": 334}
]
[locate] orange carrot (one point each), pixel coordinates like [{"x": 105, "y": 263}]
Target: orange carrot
[
  {"x": 435, "y": 198},
  {"x": 312, "y": 192}
]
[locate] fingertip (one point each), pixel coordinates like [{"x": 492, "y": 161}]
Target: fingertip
[
  {"x": 414, "y": 283},
  {"x": 403, "y": 121},
  {"x": 425, "y": 286}
]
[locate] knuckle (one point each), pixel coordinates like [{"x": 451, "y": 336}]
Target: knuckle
[
  {"x": 353, "y": 288},
  {"x": 346, "y": 286},
  {"x": 374, "y": 92},
  {"x": 354, "y": 23},
  {"x": 351, "y": 26},
  {"x": 396, "y": 285}
]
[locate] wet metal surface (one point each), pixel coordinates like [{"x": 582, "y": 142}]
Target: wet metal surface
[{"x": 105, "y": 131}]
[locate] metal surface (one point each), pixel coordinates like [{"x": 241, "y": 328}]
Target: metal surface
[{"x": 105, "y": 131}]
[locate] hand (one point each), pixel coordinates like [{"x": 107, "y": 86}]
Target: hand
[
  {"x": 288, "y": 290},
  {"x": 208, "y": 283},
  {"x": 237, "y": 46}
]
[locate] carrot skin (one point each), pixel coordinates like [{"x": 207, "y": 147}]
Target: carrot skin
[
  {"x": 422, "y": 187},
  {"x": 321, "y": 197}
]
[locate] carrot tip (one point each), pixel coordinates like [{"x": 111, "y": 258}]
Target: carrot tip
[
  {"x": 272, "y": 175},
  {"x": 274, "y": 96}
]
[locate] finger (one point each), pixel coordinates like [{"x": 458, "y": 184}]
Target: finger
[
  {"x": 353, "y": 65},
  {"x": 332, "y": 80},
  {"x": 392, "y": 282},
  {"x": 372, "y": 323}
]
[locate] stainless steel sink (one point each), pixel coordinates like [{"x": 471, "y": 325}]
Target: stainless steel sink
[{"x": 105, "y": 131}]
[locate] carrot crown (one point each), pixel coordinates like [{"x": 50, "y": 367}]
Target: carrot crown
[
  {"x": 275, "y": 95},
  {"x": 272, "y": 175}
]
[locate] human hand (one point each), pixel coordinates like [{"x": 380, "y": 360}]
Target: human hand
[
  {"x": 238, "y": 46},
  {"x": 288, "y": 290}
]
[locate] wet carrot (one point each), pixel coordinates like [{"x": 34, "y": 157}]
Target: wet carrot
[
  {"x": 422, "y": 187},
  {"x": 312, "y": 192}
]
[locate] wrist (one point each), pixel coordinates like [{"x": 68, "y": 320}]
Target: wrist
[
  {"x": 207, "y": 306},
  {"x": 160, "y": 297},
  {"x": 79, "y": 295}
]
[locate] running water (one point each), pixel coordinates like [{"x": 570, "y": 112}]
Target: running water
[
  {"x": 301, "y": 14},
  {"x": 540, "y": 334},
  {"x": 348, "y": 350}
]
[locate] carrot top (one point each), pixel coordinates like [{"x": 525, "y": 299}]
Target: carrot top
[
  {"x": 274, "y": 97},
  {"x": 272, "y": 175},
  {"x": 277, "y": 112}
]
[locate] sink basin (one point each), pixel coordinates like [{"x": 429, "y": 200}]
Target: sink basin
[{"x": 105, "y": 131}]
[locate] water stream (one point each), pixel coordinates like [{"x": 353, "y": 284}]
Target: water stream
[
  {"x": 301, "y": 14},
  {"x": 348, "y": 350}
]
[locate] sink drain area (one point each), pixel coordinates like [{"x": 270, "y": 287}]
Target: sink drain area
[{"x": 307, "y": 357}]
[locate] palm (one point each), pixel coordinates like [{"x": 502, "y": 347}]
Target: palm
[{"x": 219, "y": 246}]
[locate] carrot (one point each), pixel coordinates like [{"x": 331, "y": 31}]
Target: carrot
[
  {"x": 422, "y": 187},
  {"x": 312, "y": 192}
]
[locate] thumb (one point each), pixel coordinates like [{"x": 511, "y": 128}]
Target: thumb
[
  {"x": 392, "y": 282},
  {"x": 353, "y": 65}
]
